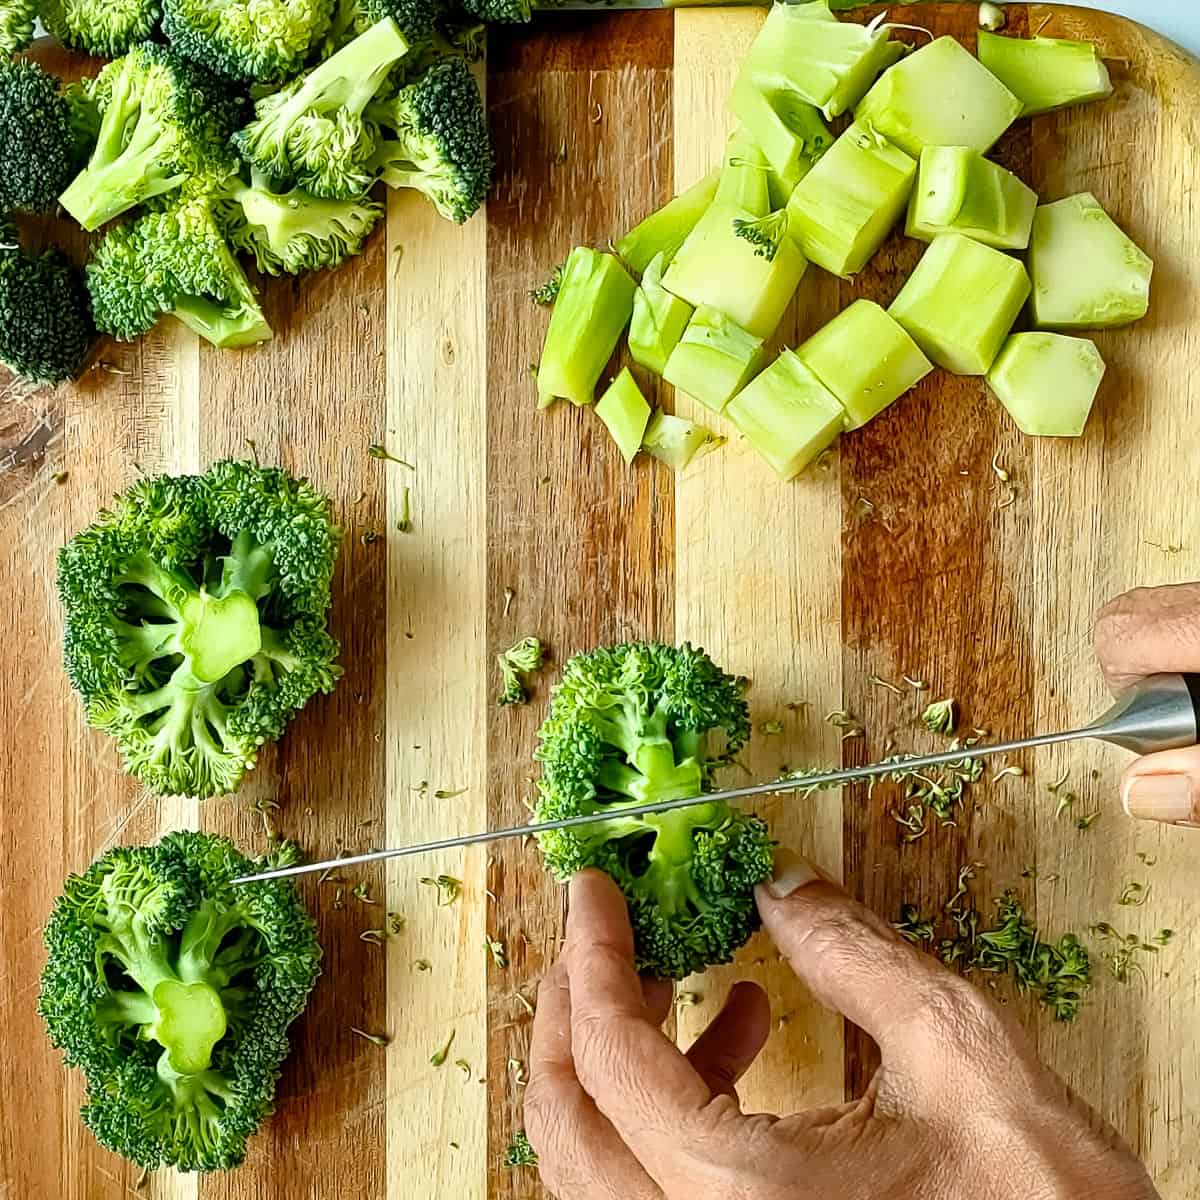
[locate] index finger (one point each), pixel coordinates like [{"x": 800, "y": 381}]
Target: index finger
[{"x": 1149, "y": 630}]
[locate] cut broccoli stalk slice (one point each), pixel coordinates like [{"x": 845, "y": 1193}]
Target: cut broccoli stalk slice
[
  {"x": 1048, "y": 382},
  {"x": 744, "y": 179},
  {"x": 788, "y": 415},
  {"x": 719, "y": 268},
  {"x": 939, "y": 96},
  {"x": 625, "y": 414},
  {"x": 675, "y": 441},
  {"x": 865, "y": 359},
  {"x": 788, "y": 130},
  {"x": 1087, "y": 274},
  {"x": 805, "y": 49},
  {"x": 960, "y": 302},
  {"x": 715, "y": 358},
  {"x": 594, "y": 304},
  {"x": 960, "y": 191},
  {"x": 666, "y": 229},
  {"x": 842, "y": 210},
  {"x": 1045, "y": 73},
  {"x": 659, "y": 320}
]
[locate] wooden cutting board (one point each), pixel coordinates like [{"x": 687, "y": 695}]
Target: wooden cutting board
[{"x": 902, "y": 556}]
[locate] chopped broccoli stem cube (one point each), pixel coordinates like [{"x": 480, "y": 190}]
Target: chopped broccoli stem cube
[
  {"x": 960, "y": 191},
  {"x": 865, "y": 359},
  {"x": 675, "y": 441},
  {"x": 789, "y": 131},
  {"x": 1087, "y": 274},
  {"x": 939, "y": 96},
  {"x": 842, "y": 210},
  {"x": 666, "y": 229},
  {"x": 788, "y": 415},
  {"x": 960, "y": 303},
  {"x": 714, "y": 359},
  {"x": 659, "y": 320},
  {"x": 744, "y": 179},
  {"x": 1045, "y": 73},
  {"x": 625, "y": 413},
  {"x": 1048, "y": 382},
  {"x": 595, "y": 302}
]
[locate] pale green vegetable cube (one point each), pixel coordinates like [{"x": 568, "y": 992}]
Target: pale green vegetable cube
[
  {"x": 666, "y": 229},
  {"x": 744, "y": 180},
  {"x": 865, "y": 359},
  {"x": 787, "y": 415},
  {"x": 960, "y": 191},
  {"x": 1048, "y": 382},
  {"x": 714, "y": 359},
  {"x": 676, "y": 441},
  {"x": 789, "y": 131},
  {"x": 939, "y": 96},
  {"x": 1087, "y": 274},
  {"x": 960, "y": 303},
  {"x": 625, "y": 413},
  {"x": 659, "y": 320},
  {"x": 842, "y": 210},
  {"x": 1045, "y": 73},
  {"x": 594, "y": 304}
]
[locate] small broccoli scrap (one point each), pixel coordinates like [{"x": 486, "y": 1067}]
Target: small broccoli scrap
[
  {"x": 173, "y": 991},
  {"x": 195, "y": 612},
  {"x": 765, "y": 234},
  {"x": 502, "y": 12},
  {"x": 16, "y": 24},
  {"x": 37, "y": 149},
  {"x": 941, "y": 716},
  {"x": 643, "y": 722},
  {"x": 520, "y": 1153},
  {"x": 102, "y": 28},
  {"x": 515, "y": 663}
]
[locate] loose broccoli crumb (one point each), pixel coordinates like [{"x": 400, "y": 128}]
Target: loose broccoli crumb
[
  {"x": 520, "y": 1153},
  {"x": 941, "y": 716},
  {"x": 545, "y": 294}
]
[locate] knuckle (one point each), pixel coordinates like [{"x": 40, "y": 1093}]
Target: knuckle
[{"x": 961, "y": 1015}]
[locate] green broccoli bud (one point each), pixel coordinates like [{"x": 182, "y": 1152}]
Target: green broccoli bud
[
  {"x": 103, "y": 29},
  {"x": 515, "y": 663},
  {"x": 941, "y": 716},
  {"x": 502, "y": 12},
  {"x": 520, "y": 1153},
  {"x": 37, "y": 151},
  {"x": 16, "y": 25},
  {"x": 764, "y": 233}
]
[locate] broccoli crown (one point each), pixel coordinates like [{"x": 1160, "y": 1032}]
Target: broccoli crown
[
  {"x": 501, "y": 12},
  {"x": 632, "y": 724},
  {"x": 162, "y": 121},
  {"x": 175, "y": 259},
  {"x": 439, "y": 143},
  {"x": 264, "y": 41},
  {"x": 46, "y": 329},
  {"x": 416, "y": 20},
  {"x": 195, "y": 611},
  {"x": 16, "y": 24},
  {"x": 37, "y": 149},
  {"x": 173, "y": 991},
  {"x": 103, "y": 28},
  {"x": 312, "y": 133}
]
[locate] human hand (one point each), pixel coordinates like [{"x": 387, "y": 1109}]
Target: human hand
[
  {"x": 1141, "y": 633},
  {"x": 960, "y": 1108}
]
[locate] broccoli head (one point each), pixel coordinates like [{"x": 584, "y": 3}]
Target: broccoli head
[
  {"x": 102, "y": 28},
  {"x": 173, "y": 991},
  {"x": 262, "y": 41},
  {"x": 312, "y": 133},
  {"x": 439, "y": 141},
  {"x": 161, "y": 122},
  {"x": 195, "y": 611},
  {"x": 37, "y": 149},
  {"x": 416, "y": 20},
  {"x": 635, "y": 724},
  {"x": 16, "y": 25}
]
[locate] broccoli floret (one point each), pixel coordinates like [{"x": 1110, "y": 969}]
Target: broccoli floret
[
  {"x": 633, "y": 724},
  {"x": 765, "y": 234},
  {"x": 264, "y": 41},
  {"x": 102, "y": 28},
  {"x": 416, "y": 20},
  {"x": 161, "y": 121},
  {"x": 196, "y": 620},
  {"x": 175, "y": 259},
  {"x": 173, "y": 991},
  {"x": 46, "y": 329},
  {"x": 37, "y": 149},
  {"x": 502, "y": 12},
  {"x": 16, "y": 24},
  {"x": 520, "y": 1153},
  {"x": 439, "y": 140},
  {"x": 312, "y": 133},
  {"x": 515, "y": 663}
]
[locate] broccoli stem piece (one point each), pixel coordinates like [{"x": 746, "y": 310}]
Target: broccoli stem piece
[
  {"x": 666, "y": 229},
  {"x": 1048, "y": 382},
  {"x": 714, "y": 359},
  {"x": 658, "y": 321},
  {"x": 625, "y": 414},
  {"x": 743, "y": 182},
  {"x": 1045, "y": 73}
]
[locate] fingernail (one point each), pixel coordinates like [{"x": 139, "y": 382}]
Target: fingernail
[
  {"x": 790, "y": 873},
  {"x": 1170, "y": 798}
]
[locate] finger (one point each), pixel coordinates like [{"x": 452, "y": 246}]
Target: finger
[
  {"x": 1164, "y": 787},
  {"x": 724, "y": 1051},
  {"x": 1147, "y": 631},
  {"x": 658, "y": 995}
]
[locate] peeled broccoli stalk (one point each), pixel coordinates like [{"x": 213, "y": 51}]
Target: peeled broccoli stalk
[
  {"x": 714, "y": 358},
  {"x": 1048, "y": 382},
  {"x": 658, "y": 322},
  {"x": 805, "y": 49},
  {"x": 842, "y": 210},
  {"x": 960, "y": 191},
  {"x": 743, "y": 182},
  {"x": 666, "y": 229},
  {"x": 939, "y": 96},
  {"x": 1045, "y": 73},
  {"x": 625, "y": 414},
  {"x": 788, "y": 130},
  {"x": 1087, "y": 274},
  {"x": 594, "y": 304},
  {"x": 675, "y": 441},
  {"x": 104, "y": 30},
  {"x": 865, "y": 359},
  {"x": 787, "y": 415}
]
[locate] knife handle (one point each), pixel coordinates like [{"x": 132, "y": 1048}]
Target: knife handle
[{"x": 1160, "y": 712}]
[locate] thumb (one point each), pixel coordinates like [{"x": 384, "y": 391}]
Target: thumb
[{"x": 1164, "y": 787}]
